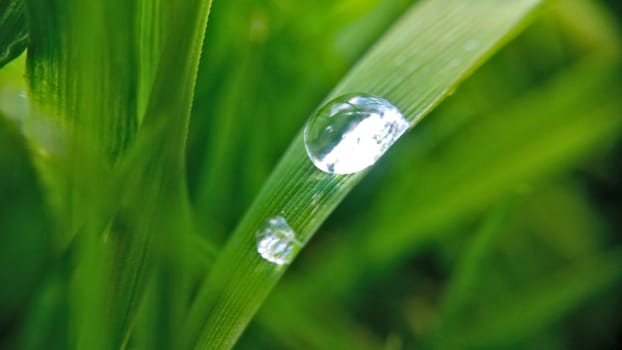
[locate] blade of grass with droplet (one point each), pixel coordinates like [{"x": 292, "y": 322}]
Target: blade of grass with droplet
[
  {"x": 343, "y": 256},
  {"x": 232, "y": 101},
  {"x": 552, "y": 127},
  {"x": 440, "y": 214},
  {"x": 418, "y": 207},
  {"x": 432, "y": 48},
  {"x": 13, "y": 30}
]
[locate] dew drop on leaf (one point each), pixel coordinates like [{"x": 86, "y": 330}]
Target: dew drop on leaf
[
  {"x": 351, "y": 132},
  {"x": 276, "y": 241}
]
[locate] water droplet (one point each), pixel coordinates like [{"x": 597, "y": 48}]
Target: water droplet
[
  {"x": 276, "y": 241},
  {"x": 351, "y": 132}
]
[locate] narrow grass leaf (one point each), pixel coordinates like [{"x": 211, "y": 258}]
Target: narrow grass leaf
[
  {"x": 553, "y": 127},
  {"x": 94, "y": 86},
  {"x": 13, "y": 30},
  {"x": 419, "y": 61}
]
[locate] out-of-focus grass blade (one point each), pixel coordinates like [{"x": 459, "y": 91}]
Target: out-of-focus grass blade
[
  {"x": 13, "y": 104},
  {"x": 13, "y": 30},
  {"x": 591, "y": 24},
  {"x": 575, "y": 121},
  {"x": 421, "y": 59},
  {"x": 46, "y": 321},
  {"x": 24, "y": 243},
  {"x": 469, "y": 266},
  {"x": 525, "y": 312},
  {"x": 165, "y": 218},
  {"x": 91, "y": 84},
  {"x": 75, "y": 72},
  {"x": 84, "y": 117},
  {"x": 300, "y": 330}
]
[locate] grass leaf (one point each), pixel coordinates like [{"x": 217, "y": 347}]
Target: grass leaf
[
  {"x": 120, "y": 97},
  {"x": 13, "y": 30},
  {"x": 414, "y": 66},
  {"x": 552, "y": 127}
]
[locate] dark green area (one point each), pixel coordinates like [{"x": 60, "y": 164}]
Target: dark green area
[
  {"x": 13, "y": 30},
  {"x": 140, "y": 157}
]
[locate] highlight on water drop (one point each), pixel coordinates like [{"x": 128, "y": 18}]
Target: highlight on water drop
[
  {"x": 276, "y": 241},
  {"x": 351, "y": 132}
]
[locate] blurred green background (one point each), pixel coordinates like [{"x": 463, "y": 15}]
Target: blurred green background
[{"x": 494, "y": 224}]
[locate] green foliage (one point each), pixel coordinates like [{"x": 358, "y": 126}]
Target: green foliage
[
  {"x": 139, "y": 154},
  {"x": 14, "y": 29}
]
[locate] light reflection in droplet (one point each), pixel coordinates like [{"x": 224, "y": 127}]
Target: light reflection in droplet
[{"x": 352, "y": 132}]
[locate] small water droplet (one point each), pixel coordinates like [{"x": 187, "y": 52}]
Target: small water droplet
[
  {"x": 276, "y": 241},
  {"x": 351, "y": 132}
]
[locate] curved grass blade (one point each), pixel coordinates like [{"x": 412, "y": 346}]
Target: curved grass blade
[
  {"x": 13, "y": 30},
  {"x": 423, "y": 201},
  {"x": 424, "y": 205},
  {"x": 94, "y": 82},
  {"x": 581, "y": 113},
  {"x": 432, "y": 48}
]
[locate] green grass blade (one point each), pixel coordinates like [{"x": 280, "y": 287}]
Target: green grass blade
[
  {"x": 424, "y": 204},
  {"x": 24, "y": 244},
  {"x": 234, "y": 104},
  {"x": 13, "y": 30},
  {"x": 433, "y": 47},
  {"x": 158, "y": 206},
  {"x": 74, "y": 74},
  {"x": 94, "y": 82},
  {"x": 553, "y": 127},
  {"x": 13, "y": 103}
]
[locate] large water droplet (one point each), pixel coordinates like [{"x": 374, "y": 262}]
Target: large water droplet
[
  {"x": 352, "y": 132},
  {"x": 276, "y": 241}
]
